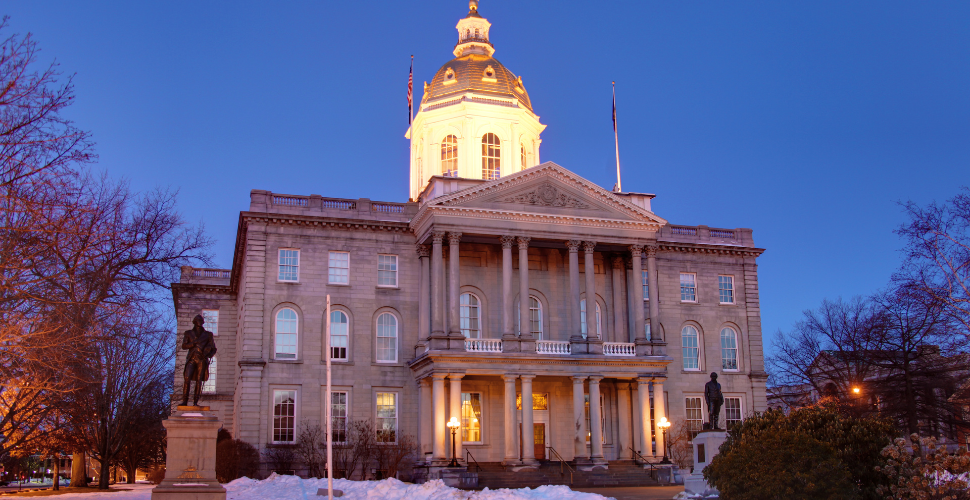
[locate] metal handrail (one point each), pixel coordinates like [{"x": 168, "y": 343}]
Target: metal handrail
[
  {"x": 468, "y": 454},
  {"x": 562, "y": 462},
  {"x": 642, "y": 458}
]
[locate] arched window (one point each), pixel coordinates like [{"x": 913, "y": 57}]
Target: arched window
[
  {"x": 582, "y": 319},
  {"x": 690, "y": 339},
  {"x": 386, "y": 338},
  {"x": 729, "y": 349},
  {"x": 522, "y": 151},
  {"x": 339, "y": 335},
  {"x": 449, "y": 156},
  {"x": 491, "y": 157},
  {"x": 286, "y": 328},
  {"x": 535, "y": 317},
  {"x": 471, "y": 326}
]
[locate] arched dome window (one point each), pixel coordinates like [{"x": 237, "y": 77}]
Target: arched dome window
[
  {"x": 449, "y": 156},
  {"x": 522, "y": 151},
  {"x": 470, "y": 326},
  {"x": 491, "y": 157}
]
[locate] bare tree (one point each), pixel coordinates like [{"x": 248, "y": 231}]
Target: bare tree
[
  {"x": 311, "y": 448},
  {"x": 280, "y": 458},
  {"x": 393, "y": 457},
  {"x": 357, "y": 450},
  {"x": 145, "y": 446}
]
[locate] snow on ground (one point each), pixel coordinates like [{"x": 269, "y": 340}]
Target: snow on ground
[{"x": 295, "y": 488}]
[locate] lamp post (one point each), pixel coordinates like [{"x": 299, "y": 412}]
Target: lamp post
[
  {"x": 453, "y": 424},
  {"x": 664, "y": 425}
]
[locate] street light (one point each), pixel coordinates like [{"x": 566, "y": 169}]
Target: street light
[
  {"x": 453, "y": 424},
  {"x": 856, "y": 390},
  {"x": 664, "y": 425}
]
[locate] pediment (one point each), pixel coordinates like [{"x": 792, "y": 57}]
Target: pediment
[{"x": 547, "y": 189}]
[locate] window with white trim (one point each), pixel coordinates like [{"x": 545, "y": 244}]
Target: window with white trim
[
  {"x": 339, "y": 335},
  {"x": 338, "y": 416},
  {"x": 688, "y": 287},
  {"x": 732, "y": 412},
  {"x": 211, "y": 320},
  {"x": 471, "y": 417},
  {"x": 287, "y": 325},
  {"x": 582, "y": 319},
  {"x": 725, "y": 289},
  {"x": 729, "y": 349},
  {"x": 470, "y": 310},
  {"x": 491, "y": 157},
  {"x": 339, "y": 268},
  {"x": 691, "y": 350},
  {"x": 289, "y": 265},
  {"x": 386, "y": 338},
  {"x": 284, "y": 416},
  {"x": 694, "y": 416},
  {"x": 449, "y": 156},
  {"x": 589, "y": 430},
  {"x": 523, "y": 155},
  {"x": 535, "y": 317},
  {"x": 645, "y": 282},
  {"x": 209, "y": 385},
  {"x": 386, "y": 270},
  {"x": 386, "y": 417}
]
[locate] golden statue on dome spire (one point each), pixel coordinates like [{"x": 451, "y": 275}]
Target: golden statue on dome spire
[{"x": 473, "y": 5}]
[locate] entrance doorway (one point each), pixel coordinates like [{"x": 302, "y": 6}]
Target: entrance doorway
[{"x": 539, "y": 437}]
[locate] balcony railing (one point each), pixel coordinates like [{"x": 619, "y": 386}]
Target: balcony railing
[
  {"x": 552, "y": 347},
  {"x": 619, "y": 349},
  {"x": 483, "y": 345}
]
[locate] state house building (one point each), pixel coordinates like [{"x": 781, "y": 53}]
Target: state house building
[{"x": 503, "y": 280}]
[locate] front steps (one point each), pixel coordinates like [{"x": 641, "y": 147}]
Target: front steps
[{"x": 494, "y": 475}]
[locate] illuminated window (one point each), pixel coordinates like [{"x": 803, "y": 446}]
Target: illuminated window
[
  {"x": 522, "y": 151},
  {"x": 582, "y": 319},
  {"x": 491, "y": 157},
  {"x": 539, "y": 401},
  {"x": 449, "y": 156},
  {"x": 339, "y": 335},
  {"x": 729, "y": 349},
  {"x": 535, "y": 317},
  {"x": 339, "y": 268},
  {"x": 386, "y": 270},
  {"x": 471, "y": 417},
  {"x": 691, "y": 350},
  {"x": 386, "y": 417},
  {"x": 286, "y": 331},
  {"x": 688, "y": 287},
  {"x": 386, "y": 338},
  {"x": 289, "y": 265},
  {"x": 725, "y": 289},
  {"x": 470, "y": 320},
  {"x": 284, "y": 416}
]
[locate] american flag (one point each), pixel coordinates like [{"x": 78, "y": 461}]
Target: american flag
[{"x": 411, "y": 91}]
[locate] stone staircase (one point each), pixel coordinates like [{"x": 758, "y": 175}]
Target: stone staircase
[{"x": 620, "y": 473}]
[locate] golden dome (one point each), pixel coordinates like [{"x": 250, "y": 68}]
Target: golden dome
[{"x": 478, "y": 73}]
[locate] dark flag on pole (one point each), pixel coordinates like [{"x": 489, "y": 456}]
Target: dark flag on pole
[{"x": 411, "y": 91}]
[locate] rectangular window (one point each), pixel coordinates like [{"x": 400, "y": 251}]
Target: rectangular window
[
  {"x": 387, "y": 270},
  {"x": 289, "y": 265},
  {"x": 725, "y": 289},
  {"x": 732, "y": 412},
  {"x": 386, "y": 417},
  {"x": 284, "y": 416},
  {"x": 688, "y": 287},
  {"x": 589, "y": 431},
  {"x": 645, "y": 279},
  {"x": 539, "y": 401},
  {"x": 210, "y": 384},
  {"x": 471, "y": 417},
  {"x": 340, "y": 268},
  {"x": 695, "y": 419},
  {"x": 211, "y": 317},
  {"x": 338, "y": 415}
]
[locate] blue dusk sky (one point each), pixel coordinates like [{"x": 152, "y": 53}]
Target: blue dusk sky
[{"x": 806, "y": 121}]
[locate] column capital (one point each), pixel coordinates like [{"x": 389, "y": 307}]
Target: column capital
[
  {"x": 595, "y": 379},
  {"x": 618, "y": 262},
  {"x": 507, "y": 241},
  {"x": 437, "y": 237},
  {"x": 623, "y": 386},
  {"x": 439, "y": 376},
  {"x": 651, "y": 250},
  {"x": 578, "y": 379},
  {"x": 456, "y": 376},
  {"x": 527, "y": 377},
  {"x": 422, "y": 250},
  {"x": 659, "y": 382},
  {"x": 573, "y": 245},
  {"x": 588, "y": 246},
  {"x": 423, "y": 381},
  {"x": 509, "y": 378},
  {"x": 636, "y": 250},
  {"x": 454, "y": 237},
  {"x": 642, "y": 381},
  {"x": 523, "y": 241}
]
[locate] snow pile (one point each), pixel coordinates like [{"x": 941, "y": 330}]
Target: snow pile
[{"x": 292, "y": 487}]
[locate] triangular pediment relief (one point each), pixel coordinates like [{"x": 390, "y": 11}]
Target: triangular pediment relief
[{"x": 547, "y": 189}]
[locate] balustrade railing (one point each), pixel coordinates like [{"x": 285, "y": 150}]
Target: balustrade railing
[
  {"x": 721, "y": 233},
  {"x": 552, "y": 347},
  {"x": 619, "y": 349},
  {"x": 388, "y": 208},
  {"x": 340, "y": 204},
  {"x": 210, "y": 273},
  {"x": 483, "y": 345},
  {"x": 683, "y": 231},
  {"x": 290, "y": 201}
]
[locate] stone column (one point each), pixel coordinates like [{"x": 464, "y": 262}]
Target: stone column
[
  {"x": 655, "y": 330},
  {"x": 439, "y": 429},
  {"x": 595, "y": 417},
  {"x": 643, "y": 345},
  {"x": 454, "y": 400},
  {"x": 624, "y": 422},
  {"x": 528, "y": 443},
  {"x": 646, "y": 436},
  {"x": 509, "y": 340},
  {"x": 437, "y": 291},
  {"x": 424, "y": 297},
  {"x": 454, "y": 321},
  {"x": 659, "y": 411},
  {"x": 525, "y": 332},
  {"x": 575, "y": 318},
  {"x": 594, "y": 338},
  {"x": 579, "y": 417},
  {"x": 511, "y": 454},
  {"x": 425, "y": 412},
  {"x": 620, "y": 331}
]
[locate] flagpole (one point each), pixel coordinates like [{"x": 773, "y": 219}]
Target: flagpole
[
  {"x": 616, "y": 140},
  {"x": 329, "y": 404},
  {"x": 411, "y": 91}
]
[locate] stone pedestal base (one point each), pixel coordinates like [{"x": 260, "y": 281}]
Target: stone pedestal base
[
  {"x": 706, "y": 445},
  {"x": 190, "y": 466}
]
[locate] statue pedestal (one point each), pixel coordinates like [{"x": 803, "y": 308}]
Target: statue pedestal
[
  {"x": 706, "y": 445},
  {"x": 190, "y": 465}
]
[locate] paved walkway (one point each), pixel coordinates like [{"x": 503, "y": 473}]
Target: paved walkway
[{"x": 637, "y": 492}]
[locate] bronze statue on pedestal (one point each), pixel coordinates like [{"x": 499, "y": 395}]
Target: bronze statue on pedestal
[
  {"x": 714, "y": 399},
  {"x": 202, "y": 347}
]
